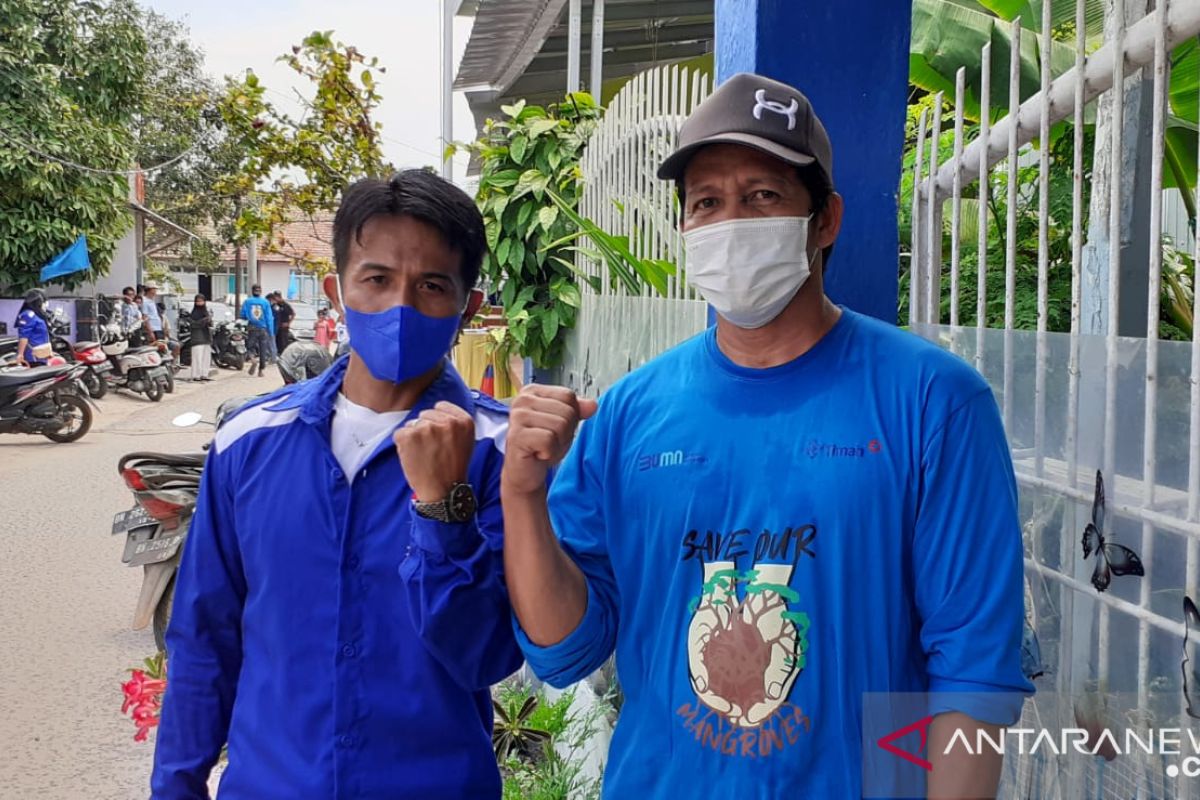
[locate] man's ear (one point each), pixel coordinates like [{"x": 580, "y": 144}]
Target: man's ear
[
  {"x": 829, "y": 221},
  {"x": 474, "y": 301},
  {"x": 330, "y": 286}
]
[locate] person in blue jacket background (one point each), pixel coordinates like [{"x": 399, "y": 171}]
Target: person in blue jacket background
[
  {"x": 33, "y": 334},
  {"x": 256, "y": 310},
  {"x": 339, "y": 622}
]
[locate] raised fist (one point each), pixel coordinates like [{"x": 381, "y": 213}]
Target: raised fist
[{"x": 541, "y": 427}]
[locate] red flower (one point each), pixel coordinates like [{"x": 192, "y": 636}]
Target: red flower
[{"x": 143, "y": 701}]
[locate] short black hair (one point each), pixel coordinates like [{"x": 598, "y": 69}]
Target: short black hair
[
  {"x": 419, "y": 194},
  {"x": 128, "y": 290},
  {"x": 813, "y": 178}
]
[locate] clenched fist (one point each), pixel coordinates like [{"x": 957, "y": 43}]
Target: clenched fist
[
  {"x": 435, "y": 450},
  {"x": 541, "y": 427}
]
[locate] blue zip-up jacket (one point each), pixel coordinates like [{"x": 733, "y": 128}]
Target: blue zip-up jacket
[
  {"x": 32, "y": 327},
  {"x": 342, "y": 645},
  {"x": 257, "y": 311}
]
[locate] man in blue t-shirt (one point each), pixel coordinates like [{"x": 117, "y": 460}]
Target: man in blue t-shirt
[
  {"x": 797, "y": 507},
  {"x": 261, "y": 331}
]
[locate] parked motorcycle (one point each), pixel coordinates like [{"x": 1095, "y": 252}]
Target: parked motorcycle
[
  {"x": 136, "y": 369},
  {"x": 165, "y": 487},
  {"x": 229, "y": 344},
  {"x": 87, "y": 352},
  {"x": 46, "y": 401}
]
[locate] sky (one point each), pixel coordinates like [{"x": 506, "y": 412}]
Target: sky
[{"x": 403, "y": 34}]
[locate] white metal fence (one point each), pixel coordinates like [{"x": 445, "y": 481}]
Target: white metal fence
[
  {"x": 1074, "y": 403},
  {"x": 616, "y": 332}
]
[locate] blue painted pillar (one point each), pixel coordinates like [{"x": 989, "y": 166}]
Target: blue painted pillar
[{"x": 851, "y": 59}]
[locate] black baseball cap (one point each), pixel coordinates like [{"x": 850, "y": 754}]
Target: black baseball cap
[{"x": 757, "y": 112}]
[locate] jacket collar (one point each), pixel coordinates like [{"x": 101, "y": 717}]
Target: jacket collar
[{"x": 315, "y": 398}]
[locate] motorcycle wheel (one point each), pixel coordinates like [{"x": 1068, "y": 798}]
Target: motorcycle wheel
[
  {"x": 96, "y": 386},
  {"x": 169, "y": 383},
  {"x": 80, "y": 419},
  {"x": 237, "y": 361},
  {"x": 162, "y": 615},
  {"x": 154, "y": 391}
]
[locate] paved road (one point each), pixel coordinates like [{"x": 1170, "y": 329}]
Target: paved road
[{"x": 66, "y": 601}]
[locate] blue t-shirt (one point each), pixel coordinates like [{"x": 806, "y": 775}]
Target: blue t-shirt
[
  {"x": 150, "y": 312},
  {"x": 32, "y": 327},
  {"x": 764, "y": 546}
]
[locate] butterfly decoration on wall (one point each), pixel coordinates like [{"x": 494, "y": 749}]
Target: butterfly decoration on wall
[
  {"x": 1191, "y": 622},
  {"x": 1111, "y": 558}
]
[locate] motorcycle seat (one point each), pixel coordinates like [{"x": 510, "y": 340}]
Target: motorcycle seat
[
  {"x": 167, "y": 459},
  {"x": 18, "y": 377},
  {"x": 146, "y": 349},
  {"x": 86, "y": 345}
]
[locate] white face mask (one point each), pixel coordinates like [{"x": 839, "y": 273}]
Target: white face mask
[{"x": 749, "y": 269}]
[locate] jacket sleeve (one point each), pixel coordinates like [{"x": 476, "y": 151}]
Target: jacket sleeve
[
  {"x": 246, "y": 309},
  {"x": 454, "y": 574},
  {"x": 579, "y": 501},
  {"x": 968, "y": 566},
  {"x": 270, "y": 318},
  {"x": 204, "y": 644}
]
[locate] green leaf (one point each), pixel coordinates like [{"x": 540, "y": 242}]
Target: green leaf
[
  {"x": 514, "y": 110},
  {"x": 524, "y": 214},
  {"x": 507, "y": 293},
  {"x": 524, "y": 297},
  {"x": 503, "y": 179},
  {"x": 547, "y": 216},
  {"x": 493, "y": 234},
  {"x": 517, "y": 254},
  {"x": 540, "y": 126},
  {"x": 569, "y": 294},
  {"x": 549, "y": 326},
  {"x": 517, "y": 148},
  {"x": 503, "y": 250}
]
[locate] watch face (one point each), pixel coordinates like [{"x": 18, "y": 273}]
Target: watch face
[{"x": 461, "y": 503}]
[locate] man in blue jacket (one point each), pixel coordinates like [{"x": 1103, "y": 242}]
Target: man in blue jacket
[
  {"x": 339, "y": 622},
  {"x": 256, "y": 310}
]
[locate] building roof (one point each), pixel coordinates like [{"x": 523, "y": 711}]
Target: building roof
[
  {"x": 518, "y": 48},
  {"x": 301, "y": 240}
]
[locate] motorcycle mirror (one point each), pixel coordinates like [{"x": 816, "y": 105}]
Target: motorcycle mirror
[{"x": 188, "y": 419}]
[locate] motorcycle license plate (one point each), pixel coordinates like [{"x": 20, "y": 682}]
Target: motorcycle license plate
[
  {"x": 133, "y": 518},
  {"x": 144, "y": 547}
]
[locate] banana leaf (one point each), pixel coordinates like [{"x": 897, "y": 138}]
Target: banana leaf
[{"x": 948, "y": 35}]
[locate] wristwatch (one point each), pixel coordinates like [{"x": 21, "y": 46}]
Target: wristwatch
[{"x": 457, "y": 506}]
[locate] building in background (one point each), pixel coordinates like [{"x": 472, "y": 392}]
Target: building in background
[{"x": 287, "y": 264}]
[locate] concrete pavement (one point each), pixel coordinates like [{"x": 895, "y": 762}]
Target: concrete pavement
[{"x": 66, "y": 600}]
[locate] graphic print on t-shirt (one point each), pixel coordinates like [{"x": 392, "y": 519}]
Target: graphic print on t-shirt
[
  {"x": 256, "y": 312},
  {"x": 747, "y": 641}
]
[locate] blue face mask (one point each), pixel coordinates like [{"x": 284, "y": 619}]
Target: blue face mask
[{"x": 400, "y": 343}]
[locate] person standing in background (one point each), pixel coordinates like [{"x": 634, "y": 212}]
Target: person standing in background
[
  {"x": 324, "y": 332},
  {"x": 284, "y": 314},
  {"x": 257, "y": 313},
  {"x": 201, "y": 328}
]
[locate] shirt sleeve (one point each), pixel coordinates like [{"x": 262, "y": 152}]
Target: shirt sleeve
[
  {"x": 578, "y": 513},
  {"x": 270, "y": 318},
  {"x": 454, "y": 574},
  {"x": 204, "y": 644},
  {"x": 968, "y": 561},
  {"x": 26, "y": 325}
]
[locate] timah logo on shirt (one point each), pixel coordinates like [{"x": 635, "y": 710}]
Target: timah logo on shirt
[
  {"x": 669, "y": 458},
  {"x": 818, "y": 449}
]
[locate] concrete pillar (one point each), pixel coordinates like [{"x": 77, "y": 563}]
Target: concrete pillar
[{"x": 851, "y": 60}]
